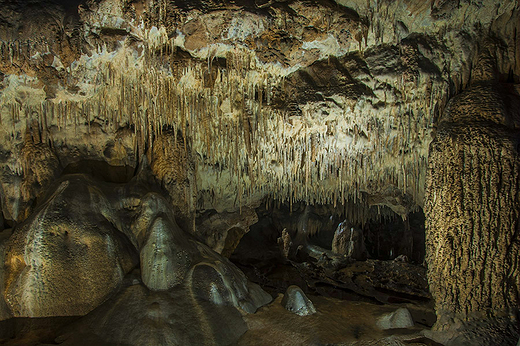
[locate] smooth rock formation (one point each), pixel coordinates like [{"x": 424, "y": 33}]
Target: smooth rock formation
[
  {"x": 351, "y": 104},
  {"x": 137, "y": 316},
  {"x": 223, "y": 284},
  {"x": 67, "y": 258},
  {"x": 72, "y": 254},
  {"x": 170, "y": 256},
  {"x": 164, "y": 261},
  {"x": 295, "y": 301},
  {"x": 400, "y": 318}
]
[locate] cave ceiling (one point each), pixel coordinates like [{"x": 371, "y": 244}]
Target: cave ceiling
[{"x": 231, "y": 102}]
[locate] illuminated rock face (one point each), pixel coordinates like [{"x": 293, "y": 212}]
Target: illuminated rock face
[
  {"x": 349, "y": 242},
  {"x": 295, "y": 301},
  {"x": 73, "y": 252},
  {"x": 300, "y": 101},
  {"x": 67, "y": 257}
]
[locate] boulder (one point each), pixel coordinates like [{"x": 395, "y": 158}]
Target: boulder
[
  {"x": 400, "y": 318},
  {"x": 297, "y": 302}
]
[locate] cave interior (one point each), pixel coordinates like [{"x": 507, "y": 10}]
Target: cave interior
[{"x": 260, "y": 172}]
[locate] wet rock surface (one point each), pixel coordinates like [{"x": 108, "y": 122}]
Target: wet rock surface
[
  {"x": 166, "y": 256},
  {"x": 174, "y": 317},
  {"x": 73, "y": 254},
  {"x": 66, "y": 258}
]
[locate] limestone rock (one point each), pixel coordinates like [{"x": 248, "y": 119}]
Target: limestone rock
[
  {"x": 166, "y": 251},
  {"x": 203, "y": 308},
  {"x": 472, "y": 212},
  {"x": 164, "y": 261},
  {"x": 173, "y": 166},
  {"x": 231, "y": 82},
  {"x": 171, "y": 257},
  {"x": 137, "y": 316},
  {"x": 214, "y": 278},
  {"x": 222, "y": 231},
  {"x": 349, "y": 241},
  {"x": 285, "y": 243},
  {"x": 237, "y": 102},
  {"x": 400, "y": 318},
  {"x": 66, "y": 258},
  {"x": 297, "y": 302}
]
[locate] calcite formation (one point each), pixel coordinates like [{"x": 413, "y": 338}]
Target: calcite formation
[
  {"x": 400, "y": 318},
  {"x": 71, "y": 255},
  {"x": 295, "y": 301},
  {"x": 472, "y": 203},
  {"x": 299, "y": 101},
  {"x": 349, "y": 242},
  {"x": 67, "y": 257}
]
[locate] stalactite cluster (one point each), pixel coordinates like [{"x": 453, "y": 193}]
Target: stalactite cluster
[
  {"x": 331, "y": 153},
  {"x": 338, "y": 111}
]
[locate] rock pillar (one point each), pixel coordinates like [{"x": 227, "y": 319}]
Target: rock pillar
[{"x": 472, "y": 211}]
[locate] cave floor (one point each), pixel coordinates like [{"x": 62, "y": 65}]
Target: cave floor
[{"x": 337, "y": 322}]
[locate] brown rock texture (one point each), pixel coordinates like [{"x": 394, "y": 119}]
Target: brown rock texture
[
  {"x": 223, "y": 231},
  {"x": 74, "y": 251},
  {"x": 172, "y": 165},
  {"x": 67, "y": 257},
  {"x": 472, "y": 207},
  {"x": 5, "y": 312},
  {"x": 348, "y": 241}
]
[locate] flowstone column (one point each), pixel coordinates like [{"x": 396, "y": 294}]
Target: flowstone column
[{"x": 472, "y": 213}]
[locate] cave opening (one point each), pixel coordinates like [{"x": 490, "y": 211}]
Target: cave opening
[{"x": 288, "y": 247}]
